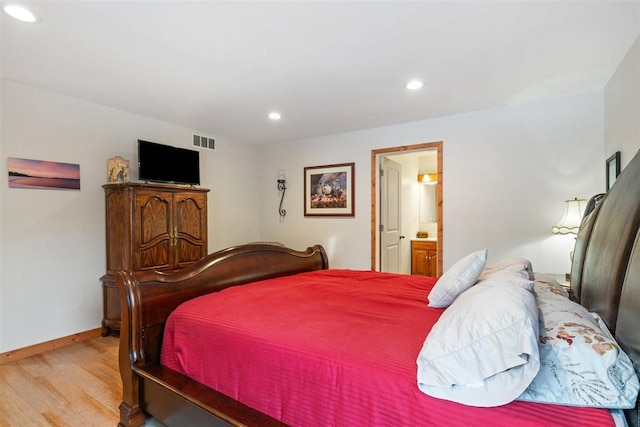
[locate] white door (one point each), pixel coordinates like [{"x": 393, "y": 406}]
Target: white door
[{"x": 390, "y": 215}]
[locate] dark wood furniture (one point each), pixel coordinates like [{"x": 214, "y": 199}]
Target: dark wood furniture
[
  {"x": 149, "y": 297},
  {"x": 606, "y": 266},
  {"x": 424, "y": 258},
  {"x": 150, "y": 227}
]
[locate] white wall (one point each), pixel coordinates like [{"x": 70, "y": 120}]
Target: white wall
[
  {"x": 622, "y": 108},
  {"x": 507, "y": 172},
  {"x": 52, "y": 244}
]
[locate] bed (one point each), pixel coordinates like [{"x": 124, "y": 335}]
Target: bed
[{"x": 347, "y": 377}]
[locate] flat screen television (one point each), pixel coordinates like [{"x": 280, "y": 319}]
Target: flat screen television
[{"x": 164, "y": 163}]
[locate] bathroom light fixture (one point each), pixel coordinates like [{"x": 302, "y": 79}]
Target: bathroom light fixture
[
  {"x": 282, "y": 187},
  {"x": 275, "y": 116},
  {"x": 570, "y": 222},
  {"x": 414, "y": 85},
  {"x": 428, "y": 178},
  {"x": 21, "y": 13}
]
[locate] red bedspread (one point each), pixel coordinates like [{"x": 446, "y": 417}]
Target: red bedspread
[{"x": 331, "y": 348}]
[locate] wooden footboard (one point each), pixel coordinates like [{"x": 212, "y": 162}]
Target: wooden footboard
[{"x": 148, "y": 298}]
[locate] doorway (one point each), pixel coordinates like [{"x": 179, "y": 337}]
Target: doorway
[{"x": 377, "y": 202}]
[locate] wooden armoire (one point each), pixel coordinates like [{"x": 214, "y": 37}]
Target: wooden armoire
[{"x": 150, "y": 227}]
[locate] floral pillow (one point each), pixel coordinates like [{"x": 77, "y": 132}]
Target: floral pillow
[
  {"x": 549, "y": 284},
  {"x": 580, "y": 362}
]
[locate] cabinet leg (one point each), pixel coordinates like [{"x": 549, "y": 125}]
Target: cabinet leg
[{"x": 106, "y": 331}]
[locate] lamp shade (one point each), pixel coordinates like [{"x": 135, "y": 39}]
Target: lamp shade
[
  {"x": 570, "y": 222},
  {"x": 429, "y": 178}
]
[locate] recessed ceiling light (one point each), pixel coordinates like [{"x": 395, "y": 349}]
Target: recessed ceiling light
[
  {"x": 275, "y": 116},
  {"x": 21, "y": 13},
  {"x": 414, "y": 84}
]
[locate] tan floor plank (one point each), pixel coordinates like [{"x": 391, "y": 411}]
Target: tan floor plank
[
  {"x": 14, "y": 410},
  {"x": 54, "y": 419},
  {"x": 26, "y": 386},
  {"x": 35, "y": 365},
  {"x": 104, "y": 367},
  {"x": 72, "y": 384},
  {"x": 85, "y": 372},
  {"x": 84, "y": 414},
  {"x": 76, "y": 385},
  {"x": 40, "y": 396}
]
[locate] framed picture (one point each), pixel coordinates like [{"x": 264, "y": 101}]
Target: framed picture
[
  {"x": 329, "y": 190},
  {"x": 613, "y": 169},
  {"x": 42, "y": 174},
  {"x": 117, "y": 170}
]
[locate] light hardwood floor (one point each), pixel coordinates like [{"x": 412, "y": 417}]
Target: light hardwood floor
[{"x": 76, "y": 385}]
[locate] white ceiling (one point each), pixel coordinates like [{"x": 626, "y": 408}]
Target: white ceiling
[{"x": 327, "y": 67}]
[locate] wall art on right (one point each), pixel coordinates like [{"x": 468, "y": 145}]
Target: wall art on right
[{"x": 613, "y": 169}]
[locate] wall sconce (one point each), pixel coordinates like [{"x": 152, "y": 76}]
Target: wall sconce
[
  {"x": 570, "y": 222},
  {"x": 428, "y": 178},
  {"x": 282, "y": 180}
]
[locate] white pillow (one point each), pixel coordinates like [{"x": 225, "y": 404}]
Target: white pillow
[
  {"x": 516, "y": 265},
  {"x": 505, "y": 278},
  {"x": 483, "y": 351},
  {"x": 457, "y": 279}
]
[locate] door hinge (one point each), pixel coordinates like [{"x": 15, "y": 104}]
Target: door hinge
[
  {"x": 381, "y": 173},
  {"x": 381, "y": 228}
]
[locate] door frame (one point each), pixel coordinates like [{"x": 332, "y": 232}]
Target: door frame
[{"x": 374, "y": 195}]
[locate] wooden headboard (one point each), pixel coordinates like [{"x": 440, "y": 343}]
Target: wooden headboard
[
  {"x": 149, "y": 297},
  {"x": 605, "y": 273},
  {"x": 628, "y": 324},
  {"x": 604, "y": 244},
  {"x": 161, "y": 292}
]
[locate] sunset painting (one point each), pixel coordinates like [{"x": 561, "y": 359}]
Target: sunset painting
[{"x": 26, "y": 173}]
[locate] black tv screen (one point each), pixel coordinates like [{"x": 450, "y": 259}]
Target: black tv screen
[{"x": 164, "y": 163}]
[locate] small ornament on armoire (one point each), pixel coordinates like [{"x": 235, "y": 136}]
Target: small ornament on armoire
[{"x": 117, "y": 169}]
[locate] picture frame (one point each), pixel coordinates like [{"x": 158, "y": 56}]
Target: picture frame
[
  {"x": 117, "y": 170},
  {"x": 329, "y": 190},
  {"x": 613, "y": 169},
  {"x": 43, "y": 174}
]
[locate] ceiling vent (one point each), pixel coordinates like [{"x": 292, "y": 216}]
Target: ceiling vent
[{"x": 204, "y": 142}]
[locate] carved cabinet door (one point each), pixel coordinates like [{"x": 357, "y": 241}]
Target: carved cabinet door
[
  {"x": 152, "y": 227},
  {"x": 432, "y": 262},
  {"x": 190, "y": 228},
  {"x": 418, "y": 263}
]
